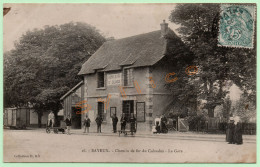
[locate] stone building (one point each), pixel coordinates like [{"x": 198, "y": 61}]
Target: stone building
[{"x": 129, "y": 75}]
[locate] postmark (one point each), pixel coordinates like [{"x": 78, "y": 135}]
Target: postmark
[{"x": 236, "y": 26}]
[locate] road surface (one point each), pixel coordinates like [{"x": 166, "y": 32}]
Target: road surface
[{"x": 38, "y": 146}]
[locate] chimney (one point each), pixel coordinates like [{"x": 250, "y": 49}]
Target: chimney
[{"x": 164, "y": 28}]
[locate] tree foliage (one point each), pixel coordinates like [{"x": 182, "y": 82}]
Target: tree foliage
[
  {"x": 217, "y": 65},
  {"x": 245, "y": 109},
  {"x": 45, "y": 63}
]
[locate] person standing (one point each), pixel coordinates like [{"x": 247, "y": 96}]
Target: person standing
[
  {"x": 123, "y": 122},
  {"x": 68, "y": 124},
  {"x": 86, "y": 124},
  {"x": 163, "y": 124},
  {"x": 99, "y": 122},
  {"x": 114, "y": 120},
  {"x": 230, "y": 131},
  {"x": 237, "y": 131},
  {"x": 51, "y": 118},
  {"x": 132, "y": 123},
  {"x": 157, "y": 122}
]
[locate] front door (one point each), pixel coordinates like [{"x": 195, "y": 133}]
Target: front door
[
  {"x": 128, "y": 108},
  {"x": 101, "y": 111}
]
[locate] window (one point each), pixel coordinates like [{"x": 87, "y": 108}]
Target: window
[
  {"x": 101, "y": 80},
  {"x": 128, "y": 108},
  {"x": 128, "y": 77},
  {"x": 101, "y": 111}
]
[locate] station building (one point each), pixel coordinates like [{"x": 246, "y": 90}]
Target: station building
[{"x": 128, "y": 76}]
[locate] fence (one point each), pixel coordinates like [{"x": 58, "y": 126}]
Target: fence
[{"x": 214, "y": 125}]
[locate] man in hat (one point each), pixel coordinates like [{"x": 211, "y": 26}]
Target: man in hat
[
  {"x": 123, "y": 121},
  {"x": 99, "y": 122},
  {"x": 114, "y": 120},
  {"x": 86, "y": 124},
  {"x": 132, "y": 123}
]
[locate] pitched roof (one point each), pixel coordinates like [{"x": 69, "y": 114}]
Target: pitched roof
[
  {"x": 71, "y": 90},
  {"x": 136, "y": 51}
]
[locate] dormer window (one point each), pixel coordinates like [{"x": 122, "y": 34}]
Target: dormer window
[
  {"x": 128, "y": 77},
  {"x": 101, "y": 79}
]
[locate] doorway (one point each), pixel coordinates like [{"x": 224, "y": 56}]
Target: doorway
[
  {"x": 128, "y": 108},
  {"x": 75, "y": 118}
]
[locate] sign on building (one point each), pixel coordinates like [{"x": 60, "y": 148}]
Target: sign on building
[{"x": 114, "y": 79}]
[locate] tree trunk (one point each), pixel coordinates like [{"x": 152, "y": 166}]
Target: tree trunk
[
  {"x": 205, "y": 86},
  {"x": 211, "y": 112},
  {"x": 210, "y": 100},
  {"x": 220, "y": 91},
  {"x": 39, "y": 120},
  {"x": 56, "y": 118}
]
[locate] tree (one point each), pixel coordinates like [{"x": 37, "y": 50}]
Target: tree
[
  {"x": 45, "y": 63},
  {"x": 199, "y": 30},
  {"x": 245, "y": 109}
]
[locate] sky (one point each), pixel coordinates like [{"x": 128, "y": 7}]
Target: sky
[{"x": 113, "y": 20}]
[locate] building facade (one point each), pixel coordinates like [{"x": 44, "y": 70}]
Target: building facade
[
  {"x": 71, "y": 104},
  {"x": 128, "y": 76}
]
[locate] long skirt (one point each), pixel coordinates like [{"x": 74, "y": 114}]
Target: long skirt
[
  {"x": 238, "y": 134},
  {"x": 230, "y": 135}
]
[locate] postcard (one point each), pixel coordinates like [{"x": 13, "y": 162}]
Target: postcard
[{"x": 129, "y": 82}]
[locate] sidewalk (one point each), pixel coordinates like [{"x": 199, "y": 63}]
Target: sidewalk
[
  {"x": 199, "y": 136},
  {"x": 171, "y": 135}
]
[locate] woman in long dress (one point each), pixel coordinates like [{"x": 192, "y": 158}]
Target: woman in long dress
[
  {"x": 230, "y": 131},
  {"x": 238, "y": 131}
]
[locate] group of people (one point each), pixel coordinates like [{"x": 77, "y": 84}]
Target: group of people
[
  {"x": 123, "y": 122},
  {"x": 51, "y": 121},
  {"x": 86, "y": 123},
  {"x": 99, "y": 120},
  {"x": 234, "y": 131},
  {"x": 160, "y": 124}
]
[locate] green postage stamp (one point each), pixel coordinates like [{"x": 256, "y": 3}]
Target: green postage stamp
[{"x": 236, "y": 26}]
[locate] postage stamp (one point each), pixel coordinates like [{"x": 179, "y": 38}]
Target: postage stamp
[{"x": 236, "y": 26}]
